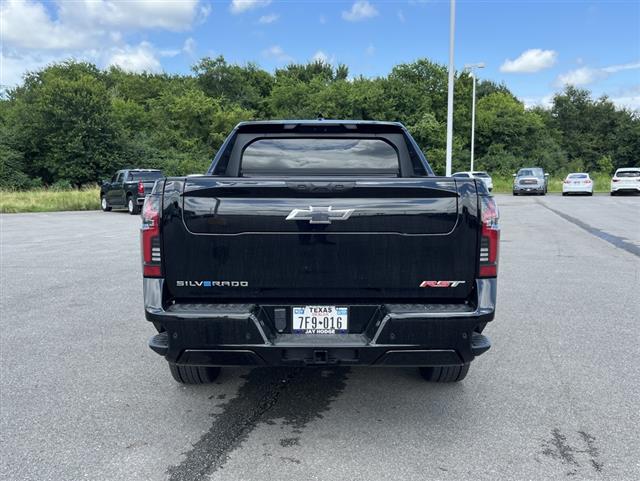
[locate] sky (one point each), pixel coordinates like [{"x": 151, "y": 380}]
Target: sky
[{"x": 534, "y": 47}]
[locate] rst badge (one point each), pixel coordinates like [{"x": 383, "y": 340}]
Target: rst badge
[{"x": 441, "y": 283}]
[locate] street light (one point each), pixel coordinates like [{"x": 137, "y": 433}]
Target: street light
[
  {"x": 470, "y": 68},
  {"x": 452, "y": 30}
]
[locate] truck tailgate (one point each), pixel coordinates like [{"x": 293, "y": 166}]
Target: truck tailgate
[{"x": 237, "y": 238}]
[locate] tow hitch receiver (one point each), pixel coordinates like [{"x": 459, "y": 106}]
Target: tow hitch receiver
[{"x": 320, "y": 356}]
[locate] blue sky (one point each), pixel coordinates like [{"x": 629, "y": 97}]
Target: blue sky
[{"x": 534, "y": 47}]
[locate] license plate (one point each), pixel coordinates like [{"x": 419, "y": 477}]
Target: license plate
[{"x": 320, "y": 319}]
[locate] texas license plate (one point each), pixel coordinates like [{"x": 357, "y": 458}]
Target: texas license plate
[{"x": 320, "y": 319}]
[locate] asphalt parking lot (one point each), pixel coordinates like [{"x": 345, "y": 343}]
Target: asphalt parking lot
[{"x": 557, "y": 396}]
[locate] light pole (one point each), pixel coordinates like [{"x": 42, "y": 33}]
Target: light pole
[
  {"x": 452, "y": 29},
  {"x": 470, "y": 68}
]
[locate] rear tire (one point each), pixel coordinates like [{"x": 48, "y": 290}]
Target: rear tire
[
  {"x": 564, "y": 194},
  {"x": 132, "y": 206},
  {"x": 194, "y": 374},
  {"x": 515, "y": 193},
  {"x": 444, "y": 373},
  {"x": 612, "y": 194},
  {"x": 104, "y": 204}
]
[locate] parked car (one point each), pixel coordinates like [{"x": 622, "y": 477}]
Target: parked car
[
  {"x": 626, "y": 179},
  {"x": 319, "y": 243},
  {"x": 577, "y": 183},
  {"x": 127, "y": 189},
  {"x": 530, "y": 180},
  {"x": 478, "y": 174}
]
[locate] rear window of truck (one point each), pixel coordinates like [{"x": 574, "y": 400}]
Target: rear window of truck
[
  {"x": 320, "y": 156},
  {"x": 153, "y": 175}
]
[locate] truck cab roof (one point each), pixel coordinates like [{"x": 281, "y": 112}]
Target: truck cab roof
[{"x": 319, "y": 125}]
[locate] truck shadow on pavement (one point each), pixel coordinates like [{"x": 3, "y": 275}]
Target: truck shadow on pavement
[{"x": 295, "y": 396}]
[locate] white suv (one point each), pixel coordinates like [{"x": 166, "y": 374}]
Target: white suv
[{"x": 626, "y": 179}]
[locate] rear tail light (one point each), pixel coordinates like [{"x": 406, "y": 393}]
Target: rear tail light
[
  {"x": 150, "y": 237},
  {"x": 615, "y": 180},
  {"x": 140, "y": 188},
  {"x": 490, "y": 237},
  {"x": 587, "y": 181}
]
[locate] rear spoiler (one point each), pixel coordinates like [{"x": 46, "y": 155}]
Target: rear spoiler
[{"x": 320, "y": 126}]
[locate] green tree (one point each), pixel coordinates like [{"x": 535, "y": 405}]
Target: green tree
[
  {"x": 246, "y": 86},
  {"x": 66, "y": 130}
]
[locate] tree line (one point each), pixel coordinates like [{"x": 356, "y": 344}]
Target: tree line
[{"x": 71, "y": 123}]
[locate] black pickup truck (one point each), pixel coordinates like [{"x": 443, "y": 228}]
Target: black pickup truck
[
  {"x": 127, "y": 189},
  {"x": 319, "y": 243}
]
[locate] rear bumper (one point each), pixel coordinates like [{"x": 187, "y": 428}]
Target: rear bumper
[
  {"x": 620, "y": 187},
  {"x": 571, "y": 189},
  {"x": 396, "y": 335},
  {"x": 528, "y": 189}
]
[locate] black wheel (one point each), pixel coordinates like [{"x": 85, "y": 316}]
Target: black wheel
[
  {"x": 590, "y": 194},
  {"x": 444, "y": 373},
  {"x": 194, "y": 374},
  {"x": 132, "y": 206},
  {"x": 612, "y": 194},
  {"x": 104, "y": 204},
  {"x": 515, "y": 193},
  {"x": 564, "y": 194}
]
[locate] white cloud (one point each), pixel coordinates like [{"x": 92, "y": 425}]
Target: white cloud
[
  {"x": 370, "y": 50},
  {"x": 619, "y": 68},
  {"x": 544, "y": 101},
  {"x": 323, "y": 19},
  {"x": 360, "y": 10},
  {"x": 241, "y": 6},
  {"x": 628, "y": 98},
  {"x": 189, "y": 47},
  {"x": 26, "y": 24},
  {"x": 137, "y": 14},
  {"x": 81, "y": 24},
  {"x": 13, "y": 67},
  {"x": 170, "y": 52},
  {"x": 588, "y": 75},
  {"x": 140, "y": 58},
  {"x": 630, "y": 102},
  {"x": 580, "y": 76},
  {"x": 530, "y": 61},
  {"x": 321, "y": 56},
  {"x": 277, "y": 53},
  {"x": 34, "y": 35},
  {"x": 401, "y": 16},
  {"x": 270, "y": 18}
]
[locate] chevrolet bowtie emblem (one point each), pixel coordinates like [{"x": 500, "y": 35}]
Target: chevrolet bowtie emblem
[{"x": 320, "y": 215}]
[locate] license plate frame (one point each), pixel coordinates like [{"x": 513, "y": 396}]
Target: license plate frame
[{"x": 319, "y": 319}]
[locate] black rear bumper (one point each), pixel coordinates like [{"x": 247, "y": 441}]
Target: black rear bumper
[{"x": 394, "y": 335}]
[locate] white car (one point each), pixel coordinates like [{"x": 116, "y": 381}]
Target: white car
[
  {"x": 626, "y": 179},
  {"x": 577, "y": 183},
  {"x": 483, "y": 176}
]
